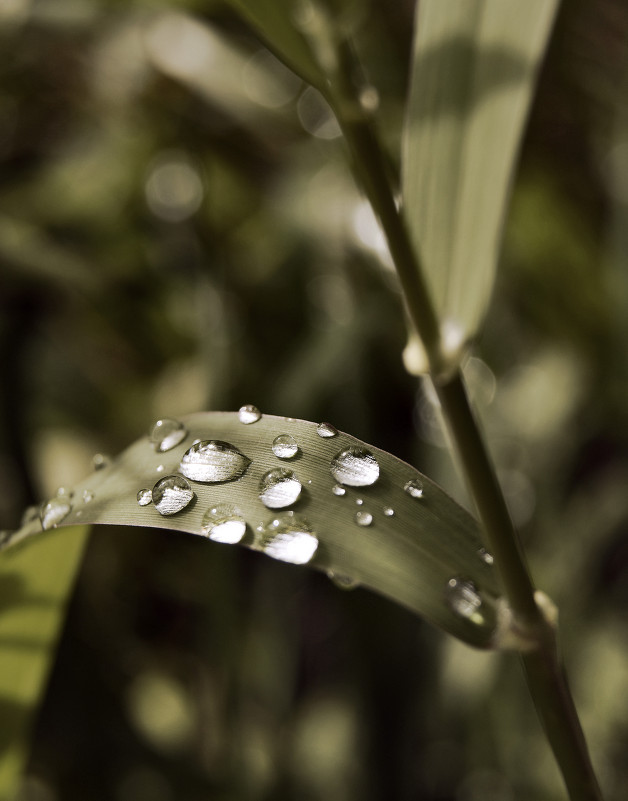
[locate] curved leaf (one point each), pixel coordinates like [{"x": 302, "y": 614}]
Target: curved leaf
[
  {"x": 473, "y": 74},
  {"x": 421, "y": 550}
]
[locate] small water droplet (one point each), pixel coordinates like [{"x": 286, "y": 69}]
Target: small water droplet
[
  {"x": 144, "y": 497},
  {"x": 88, "y": 496},
  {"x": 166, "y": 434},
  {"x": 485, "y": 556},
  {"x": 100, "y": 461},
  {"x": 463, "y": 597},
  {"x": 326, "y": 430},
  {"x": 160, "y": 468},
  {"x": 279, "y": 488},
  {"x": 5, "y": 538},
  {"x": 213, "y": 461},
  {"x": 285, "y": 446},
  {"x": 54, "y": 512},
  {"x": 64, "y": 492},
  {"x": 363, "y": 518},
  {"x": 339, "y": 490},
  {"x": 223, "y": 523},
  {"x": 359, "y": 501},
  {"x": 356, "y": 467},
  {"x": 249, "y": 414},
  {"x": 414, "y": 487},
  {"x": 171, "y": 494},
  {"x": 389, "y": 511},
  {"x": 289, "y": 538},
  {"x": 30, "y": 513},
  {"x": 342, "y": 581}
]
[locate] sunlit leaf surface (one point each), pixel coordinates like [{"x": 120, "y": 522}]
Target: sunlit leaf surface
[
  {"x": 35, "y": 585},
  {"x": 302, "y": 493},
  {"x": 473, "y": 73}
]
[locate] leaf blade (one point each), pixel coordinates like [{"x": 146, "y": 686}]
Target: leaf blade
[
  {"x": 474, "y": 69},
  {"x": 35, "y": 585},
  {"x": 408, "y": 557}
]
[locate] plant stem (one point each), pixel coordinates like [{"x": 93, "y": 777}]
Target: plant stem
[{"x": 542, "y": 665}]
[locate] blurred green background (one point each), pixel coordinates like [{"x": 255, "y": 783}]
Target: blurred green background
[{"x": 179, "y": 231}]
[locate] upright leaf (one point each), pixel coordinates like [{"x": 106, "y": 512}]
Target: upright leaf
[
  {"x": 473, "y": 74},
  {"x": 279, "y": 23}
]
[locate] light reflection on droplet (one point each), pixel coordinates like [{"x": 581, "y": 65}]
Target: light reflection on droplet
[
  {"x": 213, "y": 461},
  {"x": 326, "y": 430},
  {"x": 414, "y": 488},
  {"x": 463, "y": 597},
  {"x": 223, "y": 523},
  {"x": 279, "y": 488},
  {"x": 285, "y": 446},
  {"x": 172, "y": 494},
  {"x": 249, "y": 414},
  {"x": 54, "y": 512},
  {"x": 356, "y": 467},
  {"x": 363, "y": 518},
  {"x": 144, "y": 497},
  {"x": 167, "y": 434},
  {"x": 287, "y": 537}
]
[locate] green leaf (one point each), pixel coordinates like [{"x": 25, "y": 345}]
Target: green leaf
[
  {"x": 35, "y": 585},
  {"x": 277, "y": 22},
  {"x": 410, "y": 556},
  {"x": 473, "y": 74}
]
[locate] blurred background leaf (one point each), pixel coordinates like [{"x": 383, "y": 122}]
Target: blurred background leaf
[
  {"x": 473, "y": 74},
  {"x": 165, "y": 250}
]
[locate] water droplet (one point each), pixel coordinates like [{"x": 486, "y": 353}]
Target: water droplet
[
  {"x": 463, "y": 597},
  {"x": 171, "y": 494},
  {"x": 160, "y": 468},
  {"x": 30, "y": 513},
  {"x": 213, "y": 461},
  {"x": 5, "y": 537},
  {"x": 363, "y": 518},
  {"x": 389, "y": 511},
  {"x": 88, "y": 496},
  {"x": 166, "y": 434},
  {"x": 279, "y": 488},
  {"x": 356, "y": 467},
  {"x": 289, "y": 538},
  {"x": 64, "y": 492},
  {"x": 326, "y": 430},
  {"x": 285, "y": 446},
  {"x": 54, "y": 512},
  {"x": 359, "y": 501},
  {"x": 342, "y": 581},
  {"x": 249, "y": 414},
  {"x": 339, "y": 490},
  {"x": 414, "y": 487},
  {"x": 144, "y": 497},
  {"x": 485, "y": 556},
  {"x": 100, "y": 461},
  {"x": 223, "y": 523}
]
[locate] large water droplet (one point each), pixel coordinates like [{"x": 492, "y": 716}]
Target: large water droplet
[
  {"x": 356, "y": 467},
  {"x": 171, "y": 494},
  {"x": 213, "y": 462},
  {"x": 166, "y": 434},
  {"x": 414, "y": 487},
  {"x": 223, "y": 523},
  {"x": 279, "y": 488},
  {"x": 363, "y": 518},
  {"x": 249, "y": 414},
  {"x": 326, "y": 430},
  {"x": 144, "y": 497},
  {"x": 54, "y": 512},
  {"x": 463, "y": 597},
  {"x": 342, "y": 581},
  {"x": 287, "y": 537},
  {"x": 285, "y": 446},
  {"x": 339, "y": 490}
]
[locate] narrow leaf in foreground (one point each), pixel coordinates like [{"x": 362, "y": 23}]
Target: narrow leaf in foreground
[
  {"x": 304, "y": 494},
  {"x": 473, "y": 74},
  {"x": 35, "y": 586}
]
